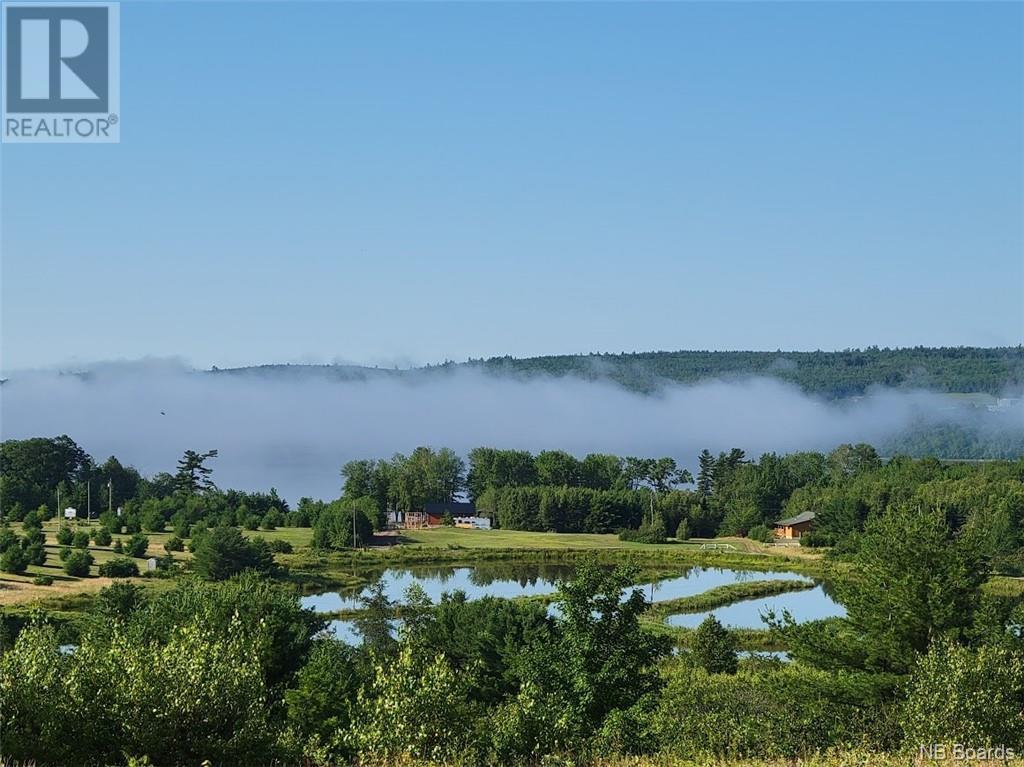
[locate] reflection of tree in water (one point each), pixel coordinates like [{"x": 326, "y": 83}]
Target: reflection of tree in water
[
  {"x": 375, "y": 622},
  {"x": 830, "y": 589},
  {"x": 522, "y": 574}
]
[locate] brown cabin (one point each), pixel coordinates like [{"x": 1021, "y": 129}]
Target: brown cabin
[{"x": 794, "y": 527}]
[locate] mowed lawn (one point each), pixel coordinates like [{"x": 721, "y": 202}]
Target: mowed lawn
[{"x": 516, "y": 539}]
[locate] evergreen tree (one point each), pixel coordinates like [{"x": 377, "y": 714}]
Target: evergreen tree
[{"x": 714, "y": 648}]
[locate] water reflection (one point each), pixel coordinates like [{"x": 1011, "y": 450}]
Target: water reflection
[
  {"x": 508, "y": 580},
  {"x": 505, "y": 581},
  {"x": 810, "y": 605},
  {"x": 700, "y": 579}
]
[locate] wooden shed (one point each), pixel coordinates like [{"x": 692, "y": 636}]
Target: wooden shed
[{"x": 794, "y": 527}]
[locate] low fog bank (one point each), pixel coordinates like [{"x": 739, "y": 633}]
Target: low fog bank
[{"x": 295, "y": 435}]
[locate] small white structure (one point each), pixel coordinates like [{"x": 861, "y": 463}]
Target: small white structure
[
  {"x": 475, "y": 523},
  {"x": 151, "y": 564},
  {"x": 70, "y": 513}
]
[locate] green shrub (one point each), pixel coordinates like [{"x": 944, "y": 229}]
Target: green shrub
[
  {"x": 78, "y": 562},
  {"x": 80, "y": 539},
  {"x": 13, "y": 560},
  {"x": 772, "y": 712},
  {"x": 761, "y": 533},
  {"x": 959, "y": 695},
  {"x": 153, "y": 521},
  {"x": 136, "y": 546},
  {"x": 119, "y": 567},
  {"x": 334, "y": 528},
  {"x": 33, "y": 536},
  {"x": 42, "y": 580},
  {"x": 683, "y": 531},
  {"x": 36, "y": 554},
  {"x": 8, "y": 539},
  {"x": 32, "y": 521},
  {"x": 224, "y": 551},
  {"x": 102, "y": 537},
  {"x": 415, "y": 708},
  {"x": 816, "y": 539},
  {"x": 648, "y": 532},
  {"x": 174, "y": 543},
  {"x": 279, "y": 546},
  {"x": 713, "y": 647},
  {"x": 65, "y": 536},
  {"x": 118, "y": 547}
]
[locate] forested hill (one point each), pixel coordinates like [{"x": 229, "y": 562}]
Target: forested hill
[{"x": 833, "y": 374}]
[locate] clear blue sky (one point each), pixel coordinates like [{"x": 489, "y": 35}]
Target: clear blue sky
[{"x": 413, "y": 182}]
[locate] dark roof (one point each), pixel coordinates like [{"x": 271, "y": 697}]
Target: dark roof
[
  {"x": 456, "y": 509},
  {"x": 803, "y": 516}
]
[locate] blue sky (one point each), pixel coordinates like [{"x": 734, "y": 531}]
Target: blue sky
[{"x": 413, "y": 182}]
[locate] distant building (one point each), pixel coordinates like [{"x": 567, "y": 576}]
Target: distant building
[
  {"x": 794, "y": 527},
  {"x": 436, "y": 511},
  {"x": 432, "y": 515}
]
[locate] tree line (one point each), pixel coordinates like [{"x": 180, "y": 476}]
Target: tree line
[
  {"x": 552, "y": 490},
  {"x": 837, "y": 374}
]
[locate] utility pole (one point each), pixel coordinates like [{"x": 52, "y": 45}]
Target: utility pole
[
  {"x": 60, "y": 512},
  {"x": 110, "y": 496},
  {"x": 354, "y": 545},
  {"x": 88, "y": 501}
]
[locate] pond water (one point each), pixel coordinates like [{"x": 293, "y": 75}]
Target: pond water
[
  {"x": 810, "y": 605},
  {"x": 781, "y": 655},
  {"x": 505, "y": 581},
  {"x": 519, "y": 580},
  {"x": 701, "y": 579},
  {"x": 515, "y": 580},
  {"x": 347, "y": 631}
]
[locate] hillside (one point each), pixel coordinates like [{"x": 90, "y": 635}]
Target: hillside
[{"x": 848, "y": 373}]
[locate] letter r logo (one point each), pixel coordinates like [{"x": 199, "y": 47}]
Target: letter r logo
[{"x": 57, "y": 58}]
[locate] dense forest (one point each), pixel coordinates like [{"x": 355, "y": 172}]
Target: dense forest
[{"x": 838, "y": 374}]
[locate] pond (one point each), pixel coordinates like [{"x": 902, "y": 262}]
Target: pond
[
  {"x": 810, "y": 605},
  {"x": 522, "y": 580},
  {"x": 505, "y": 581}
]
